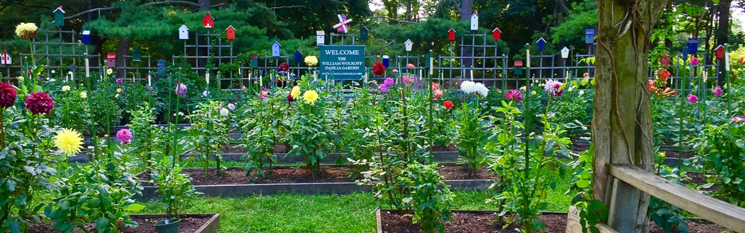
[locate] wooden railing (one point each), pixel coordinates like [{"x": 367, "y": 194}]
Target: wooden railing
[{"x": 703, "y": 206}]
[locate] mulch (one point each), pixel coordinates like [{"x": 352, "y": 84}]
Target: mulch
[
  {"x": 145, "y": 225},
  {"x": 329, "y": 173}
]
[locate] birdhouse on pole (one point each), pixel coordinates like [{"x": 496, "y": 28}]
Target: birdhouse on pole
[
  {"x": 320, "y": 38},
  {"x": 59, "y": 16},
  {"x": 589, "y": 36},
  {"x": 208, "y": 21},
  {"x": 183, "y": 33},
  {"x": 298, "y": 56},
  {"x": 719, "y": 51},
  {"x": 230, "y": 32},
  {"x": 5, "y": 58},
  {"x": 685, "y": 53},
  {"x": 86, "y": 37},
  {"x": 475, "y": 21},
  {"x": 342, "y": 27},
  {"x": 111, "y": 60},
  {"x": 363, "y": 33},
  {"x": 451, "y": 34},
  {"x": 541, "y": 44},
  {"x": 276, "y": 49},
  {"x": 161, "y": 67},
  {"x": 254, "y": 61},
  {"x": 565, "y": 53},
  {"x": 496, "y": 33},
  {"x": 136, "y": 54},
  {"x": 408, "y": 45},
  {"x": 692, "y": 45},
  {"x": 386, "y": 60},
  {"x": 518, "y": 67}
]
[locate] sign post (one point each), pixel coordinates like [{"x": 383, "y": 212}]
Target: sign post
[{"x": 342, "y": 62}]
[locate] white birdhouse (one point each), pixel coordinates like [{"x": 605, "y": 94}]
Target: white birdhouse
[
  {"x": 320, "y": 38},
  {"x": 408, "y": 44},
  {"x": 475, "y": 21},
  {"x": 183, "y": 33},
  {"x": 275, "y": 49},
  {"x": 565, "y": 53},
  {"x": 5, "y": 58}
]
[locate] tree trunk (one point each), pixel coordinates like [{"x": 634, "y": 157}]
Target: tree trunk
[
  {"x": 466, "y": 10},
  {"x": 204, "y": 5},
  {"x": 121, "y": 51},
  {"x": 622, "y": 119},
  {"x": 392, "y": 7},
  {"x": 722, "y": 33}
]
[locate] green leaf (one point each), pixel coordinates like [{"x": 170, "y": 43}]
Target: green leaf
[
  {"x": 133, "y": 208},
  {"x": 101, "y": 224},
  {"x": 11, "y": 185}
]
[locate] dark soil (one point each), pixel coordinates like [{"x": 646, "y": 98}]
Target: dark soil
[
  {"x": 145, "y": 225},
  {"x": 698, "y": 179},
  {"x": 237, "y": 148},
  {"x": 674, "y": 154},
  {"x": 394, "y": 222},
  {"x": 450, "y": 147},
  {"x": 329, "y": 173}
]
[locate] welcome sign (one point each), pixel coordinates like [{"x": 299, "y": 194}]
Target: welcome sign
[{"x": 342, "y": 62}]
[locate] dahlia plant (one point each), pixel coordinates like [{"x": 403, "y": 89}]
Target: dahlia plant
[
  {"x": 208, "y": 133},
  {"x": 310, "y": 132}
]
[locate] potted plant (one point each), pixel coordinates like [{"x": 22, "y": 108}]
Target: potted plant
[{"x": 176, "y": 193}]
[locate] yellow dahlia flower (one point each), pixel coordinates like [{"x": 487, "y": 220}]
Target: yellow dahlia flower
[
  {"x": 68, "y": 141},
  {"x": 20, "y": 78},
  {"x": 109, "y": 71},
  {"x": 310, "y": 97},
  {"x": 26, "y": 31},
  {"x": 83, "y": 95},
  {"x": 65, "y": 88},
  {"x": 295, "y": 93},
  {"x": 311, "y": 60}
]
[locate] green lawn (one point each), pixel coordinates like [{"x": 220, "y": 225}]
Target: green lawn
[{"x": 323, "y": 213}]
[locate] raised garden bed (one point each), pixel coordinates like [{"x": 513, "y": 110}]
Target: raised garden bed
[
  {"x": 332, "y": 180},
  {"x": 192, "y": 223},
  {"x": 392, "y": 221}
]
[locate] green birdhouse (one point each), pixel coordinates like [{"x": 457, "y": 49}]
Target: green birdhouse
[
  {"x": 363, "y": 33},
  {"x": 59, "y": 16},
  {"x": 518, "y": 67},
  {"x": 136, "y": 54},
  {"x": 254, "y": 62}
]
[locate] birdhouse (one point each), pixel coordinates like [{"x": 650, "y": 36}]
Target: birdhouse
[
  {"x": 276, "y": 49},
  {"x": 136, "y": 55},
  {"x": 685, "y": 53},
  {"x": 589, "y": 36},
  {"x": 363, "y": 33},
  {"x": 518, "y": 67},
  {"x": 429, "y": 62},
  {"x": 692, "y": 45},
  {"x": 475, "y": 21},
  {"x": 86, "y": 37},
  {"x": 254, "y": 61},
  {"x": 320, "y": 38},
  {"x": 161, "y": 67},
  {"x": 719, "y": 51},
  {"x": 183, "y": 33},
  {"x": 386, "y": 60},
  {"x": 5, "y": 58},
  {"x": 408, "y": 45},
  {"x": 59, "y": 16},
  {"x": 230, "y": 32},
  {"x": 451, "y": 34},
  {"x": 298, "y": 56},
  {"x": 565, "y": 53},
  {"x": 208, "y": 21},
  {"x": 111, "y": 60},
  {"x": 541, "y": 44},
  {"x": 496, "y": 33}
]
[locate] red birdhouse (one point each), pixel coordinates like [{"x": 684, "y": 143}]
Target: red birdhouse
[
  {"x": 719, "y": 51},
  {"x": 451, "y": 34},
  {"x": 208, "y": 21},
  {"x": 230, "y": 32},
  {"x": 111, "y": 60},
  {"x": 518, "y": 63},
  {"x": 496, "y": 33}
]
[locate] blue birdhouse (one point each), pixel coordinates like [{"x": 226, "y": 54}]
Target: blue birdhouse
[
  {"x": 685, "y": 54},
  {"x": 72, "y": 68},
  {"x": 161, "y": 67},
  {"x": 275, "y": 49},
  {"x": 541, "y": 44},
  {"x": 86, "y": 37},
  {"x": 693, "y": 45},
  {"x": 298, "y": 56},
  {"x": 589, "y": 36},
  {"x": 386, "y": 60}
]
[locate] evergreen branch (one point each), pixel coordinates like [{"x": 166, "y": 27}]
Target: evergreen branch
[
  {"x": 146, "y": 4},
  {"x": 284, "y": 7}
]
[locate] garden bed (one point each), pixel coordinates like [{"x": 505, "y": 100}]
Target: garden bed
[
  {"x": 192, "y": 223},
  {"x": 332, "y": 180},
  {"x": 392, "y": 221}
]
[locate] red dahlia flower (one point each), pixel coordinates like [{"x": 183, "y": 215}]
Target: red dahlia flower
[
  {"x": 378, "y": 68},
  {"x": 7, "y": 95},
  {"x": 448, "y": 104},
  {"x": 39, "y": 103},
  {"x": 284, "y": 66}
]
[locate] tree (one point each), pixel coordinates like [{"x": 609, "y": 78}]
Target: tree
[{"x": 622, "y": 119}]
